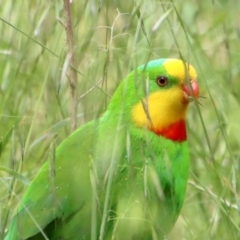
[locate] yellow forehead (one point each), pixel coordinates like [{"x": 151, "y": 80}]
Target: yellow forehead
[{"x": 177, "y": 68}]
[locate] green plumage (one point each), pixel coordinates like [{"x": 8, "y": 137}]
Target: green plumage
[{"x": 110, "y": 179}]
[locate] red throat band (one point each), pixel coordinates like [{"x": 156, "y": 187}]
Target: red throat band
[{"x": 175, "y": 132}]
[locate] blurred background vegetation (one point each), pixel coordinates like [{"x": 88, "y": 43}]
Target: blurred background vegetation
[{"x": 112, "y": 37}]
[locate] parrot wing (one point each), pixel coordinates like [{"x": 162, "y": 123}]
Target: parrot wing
[{"x": 55, "y": 192}]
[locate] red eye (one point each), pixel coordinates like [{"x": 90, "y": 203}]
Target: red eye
[{"x": 162, "y": 81}]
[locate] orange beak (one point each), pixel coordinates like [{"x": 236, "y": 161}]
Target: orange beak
[{"x": 190, "y": 91}]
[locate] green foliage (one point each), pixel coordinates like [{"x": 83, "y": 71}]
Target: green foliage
[{"x": 113, "y": 37}]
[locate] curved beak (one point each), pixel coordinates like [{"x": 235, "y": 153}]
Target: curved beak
[{"x": 190, "y": 90}]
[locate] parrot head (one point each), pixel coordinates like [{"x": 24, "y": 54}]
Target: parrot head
[
  {"x": 168, "y": 87},
  {"x": 156, "y": 95}
]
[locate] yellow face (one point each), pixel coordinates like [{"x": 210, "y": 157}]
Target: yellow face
[
  {"x": 168, "y": 105},
  {"x": 179, "y": 70}
]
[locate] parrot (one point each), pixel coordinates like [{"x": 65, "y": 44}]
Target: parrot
[{"x": 123, "y": 175}]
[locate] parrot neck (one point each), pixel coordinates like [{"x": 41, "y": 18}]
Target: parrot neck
[{"x": 175, "y": 131}]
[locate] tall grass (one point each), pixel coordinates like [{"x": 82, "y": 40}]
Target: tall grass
[{"x": 113, "y": 37}]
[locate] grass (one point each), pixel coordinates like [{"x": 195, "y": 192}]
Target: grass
[{"x": 113, "y": 37}]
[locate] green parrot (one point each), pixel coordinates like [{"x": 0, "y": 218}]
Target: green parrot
[{"x": 123, "y": 176}]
